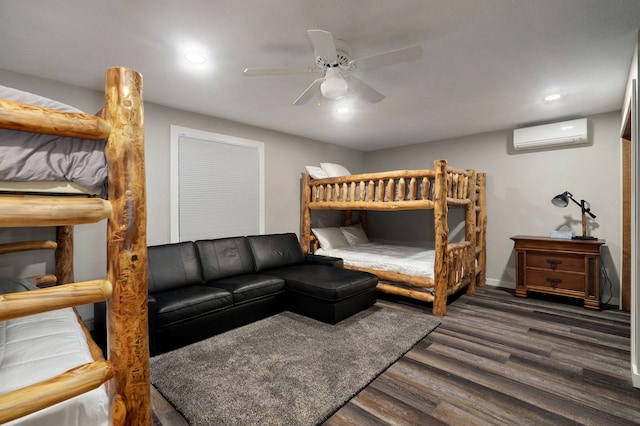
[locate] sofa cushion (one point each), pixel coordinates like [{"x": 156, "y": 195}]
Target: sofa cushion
[
  {"x": 275, "y": 251},
  {"x": 224, "y": 257},
  {"x": 245, "y": 288},
  {"x": 326, "y": 282},
  {"x": 186, "y": 303},
  {"x": 173, "y": 266}
]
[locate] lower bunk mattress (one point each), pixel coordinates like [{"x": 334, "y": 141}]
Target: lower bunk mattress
[
  {"x": 37, "y": 347},
  {"x": 415, "y": 261}
]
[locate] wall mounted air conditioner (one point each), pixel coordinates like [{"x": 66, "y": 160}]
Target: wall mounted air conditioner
[{"x": 573, "y": 132}]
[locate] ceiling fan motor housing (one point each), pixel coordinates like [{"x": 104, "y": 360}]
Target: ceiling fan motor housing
[{"x": 343, "y": 56}]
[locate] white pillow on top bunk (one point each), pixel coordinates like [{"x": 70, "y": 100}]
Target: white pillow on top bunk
[
  {"x": 330, "y": 238},
  {"x": 316, "y": 172},
  {"x": 334, "y": 170},
  {"x": 354, "y": 234}
]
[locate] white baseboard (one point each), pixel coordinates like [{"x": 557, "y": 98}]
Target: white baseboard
[{"x": 498, "y": 283}]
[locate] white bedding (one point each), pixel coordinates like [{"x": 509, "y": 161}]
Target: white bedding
[
  {"x": 417, "y": 261},
  {"x": 38, "y": 347}
]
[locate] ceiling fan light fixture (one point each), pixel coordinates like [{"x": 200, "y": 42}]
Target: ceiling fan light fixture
[{"x": 333, "y": 86}]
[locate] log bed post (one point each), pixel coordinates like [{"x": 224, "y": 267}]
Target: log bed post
[
  {"x": 440, "y": 209},
  {"x": 481, "y": 223},
  {"x": 470, "y": 232},
  {"x": 64, "y": 254},
  {"x": 305, "y": 215},
  {"x": 127, "y": 316}
]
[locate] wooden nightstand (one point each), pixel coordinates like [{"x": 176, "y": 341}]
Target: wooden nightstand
[{"x": 556, "y": 266}]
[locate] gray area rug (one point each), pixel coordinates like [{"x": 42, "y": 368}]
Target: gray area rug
[{"x": 285, "y": 370}]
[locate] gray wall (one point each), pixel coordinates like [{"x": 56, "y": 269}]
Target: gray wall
[
  {"x": 285, "y": 158},
  {"x": 520, "y": 186}
]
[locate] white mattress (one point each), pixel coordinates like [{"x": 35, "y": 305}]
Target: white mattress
[
  {"x": 38, "y": 347},
  {"x": 46, "y": 187},
  {"x": 416, "y": 261}
]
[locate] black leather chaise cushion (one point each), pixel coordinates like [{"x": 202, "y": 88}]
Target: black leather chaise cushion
[
  {"x": 325, "y": 282},
  {"x": 173, "y": 266},
  {"x": 275, "y": 251}
]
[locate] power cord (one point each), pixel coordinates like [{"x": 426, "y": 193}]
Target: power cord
[{"x": 606, "y": 283}]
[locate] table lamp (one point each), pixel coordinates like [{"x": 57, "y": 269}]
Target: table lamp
[{"x": 562, "y": 200}]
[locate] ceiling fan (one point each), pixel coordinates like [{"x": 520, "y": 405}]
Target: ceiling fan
[{"x": 332, "y": 58}]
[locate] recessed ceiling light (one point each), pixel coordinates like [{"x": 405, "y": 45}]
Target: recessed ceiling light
[
  {"x": 553, "y": 97},
  {"x": 197, "y": 58},
  {"x": 343, "y": 109}
]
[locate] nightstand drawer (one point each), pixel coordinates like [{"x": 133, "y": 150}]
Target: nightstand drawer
[
  {"x": 555, "y": 280},
  {"x": 555, "y": 261}
]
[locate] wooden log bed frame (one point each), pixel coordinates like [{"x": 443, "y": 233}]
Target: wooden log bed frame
[
  {"x": 126, "y": 369},
  {"x": 457, "y": 265}
]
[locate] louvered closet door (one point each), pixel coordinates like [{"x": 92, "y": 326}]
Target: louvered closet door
[{"x": 219, "y": 187}]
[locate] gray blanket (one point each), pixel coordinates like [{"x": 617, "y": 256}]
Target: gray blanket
[{"x": 38, "y": 157}]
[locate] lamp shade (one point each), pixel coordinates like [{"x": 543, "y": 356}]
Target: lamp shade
[
  {"x": 334, "y": 86},
  {"x": 561, "y": 200}
]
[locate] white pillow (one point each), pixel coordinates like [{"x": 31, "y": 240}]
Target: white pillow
[
  {"x": 330, "y": 238},
  {"x": 334, "y": 170},
  {"x": 354, "y": 234},
  {"x": 316, "y": 172}
]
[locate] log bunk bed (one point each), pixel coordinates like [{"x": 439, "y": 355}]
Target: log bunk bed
[
  {"x": 456, "y": 265},
  {"x": 123, "y": 377}
]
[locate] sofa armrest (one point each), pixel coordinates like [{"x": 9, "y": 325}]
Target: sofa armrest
[{"x": 316, "y": 259}]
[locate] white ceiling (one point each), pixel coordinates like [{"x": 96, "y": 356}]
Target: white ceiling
[{"x": 486, "y": 65}]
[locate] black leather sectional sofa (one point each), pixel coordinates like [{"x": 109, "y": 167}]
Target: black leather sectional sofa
[{"x": 198, "y": 289}]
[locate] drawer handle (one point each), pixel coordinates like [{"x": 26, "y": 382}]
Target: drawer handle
[
  {"x": 554, "y": 281},
  {"x": 554, "y": 263}
]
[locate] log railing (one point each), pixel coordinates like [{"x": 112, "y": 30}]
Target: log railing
[{"x": 395, "y": 190}]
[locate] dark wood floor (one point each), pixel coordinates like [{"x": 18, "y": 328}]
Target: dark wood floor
[{"x": 499, "y": 359}]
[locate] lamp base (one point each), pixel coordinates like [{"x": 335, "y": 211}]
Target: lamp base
[{"x": 584, "y": 237}]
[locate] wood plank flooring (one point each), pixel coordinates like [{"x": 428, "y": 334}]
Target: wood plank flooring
[{"x": 498, "y": 359}]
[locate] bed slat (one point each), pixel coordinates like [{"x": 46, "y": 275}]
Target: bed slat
[{"x": 27, "y": 246}]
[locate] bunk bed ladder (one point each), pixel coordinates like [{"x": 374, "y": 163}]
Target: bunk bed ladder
[{"x": 125, "y": 286}]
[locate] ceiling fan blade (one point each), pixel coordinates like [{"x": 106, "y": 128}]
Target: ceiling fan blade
[
  {"x": 405, "y": 54},
  {"x": 363, "y": 90},
  {"x": 277, "y": 71},
  {"x": 309, "y": 92},
  {"x": 324, "y": 45}
]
